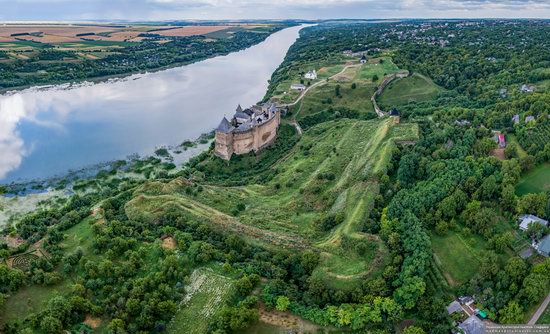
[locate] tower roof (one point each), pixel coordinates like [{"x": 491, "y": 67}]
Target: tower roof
[
  {"x": 224, "y": 126},
  {"x": 239, "y": 109}
]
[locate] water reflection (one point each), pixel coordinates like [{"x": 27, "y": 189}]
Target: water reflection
[{"x": 45, "y": 132}]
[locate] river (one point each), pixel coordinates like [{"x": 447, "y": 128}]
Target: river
[{"x": 48, "y": 131}]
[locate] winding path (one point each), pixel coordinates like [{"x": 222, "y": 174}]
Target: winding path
[{"x": 318, "y": 83}]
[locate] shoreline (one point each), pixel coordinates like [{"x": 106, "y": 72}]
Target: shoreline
[
  {"x": 65, "y": 180},
  {"x": 124, "y": 75}
]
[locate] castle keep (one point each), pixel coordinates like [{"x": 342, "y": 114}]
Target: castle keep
[{"x": 250, "y": 129}]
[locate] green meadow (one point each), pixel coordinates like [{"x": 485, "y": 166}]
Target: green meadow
[
  {"x": 416, "y": 88},
  {"x": 535, "y": 181}
]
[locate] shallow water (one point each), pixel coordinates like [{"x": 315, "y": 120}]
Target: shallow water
[{"x": 46, "y": 132}]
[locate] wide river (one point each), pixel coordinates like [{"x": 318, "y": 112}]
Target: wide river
[{"x": 46, "y": 132}]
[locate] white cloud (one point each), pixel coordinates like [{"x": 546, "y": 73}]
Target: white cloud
[{"x": 274, "y": 9}]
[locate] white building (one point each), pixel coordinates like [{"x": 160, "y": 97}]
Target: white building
[
  {"x": 299, "y": 87},
  {"x": 312, "y": 75},
  {"x": 526, "y": 220}
]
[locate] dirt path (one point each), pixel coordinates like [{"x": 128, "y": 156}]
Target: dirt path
[
  {"x": 540, "y": 310},
  {"x": 324, "y": 81}
]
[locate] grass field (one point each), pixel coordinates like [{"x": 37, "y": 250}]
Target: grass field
[
  {"x": 458, "y": 256},
  {"x": 30, "y": 299},
  {"x": 356, "y": 86},
  {"x": 535, "y": 181},
  {"x": 416, "y": 88},
  {"x": 332, "y": 169},
  {"x": 545, "y": 317},
  {"x": 206, "y": 293}
]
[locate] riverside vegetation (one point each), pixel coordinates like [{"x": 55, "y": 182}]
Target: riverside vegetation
[
  {"x": 27, "y": 62},
  {"x": 359, "y": 223}
]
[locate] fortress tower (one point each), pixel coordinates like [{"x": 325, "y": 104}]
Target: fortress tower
[{"x": 248, "y": 130}]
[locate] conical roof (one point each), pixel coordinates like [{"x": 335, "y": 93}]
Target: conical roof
[
  {"x": 224, "y": 126},
  {"x": 239, "y": 109}
]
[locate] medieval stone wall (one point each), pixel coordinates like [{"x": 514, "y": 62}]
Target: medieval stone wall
[{"x": 254, "y": 139}]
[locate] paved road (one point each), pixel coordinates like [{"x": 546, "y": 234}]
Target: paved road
[{"x": 539, "y": 312}]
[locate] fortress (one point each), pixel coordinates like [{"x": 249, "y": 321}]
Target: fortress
[{"x": 250, "y": 129}]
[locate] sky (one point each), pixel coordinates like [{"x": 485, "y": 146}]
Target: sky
[{"x": 157, "y": 10}]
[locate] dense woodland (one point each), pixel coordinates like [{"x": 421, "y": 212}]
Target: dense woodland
[{"x": 446, "y": 183}]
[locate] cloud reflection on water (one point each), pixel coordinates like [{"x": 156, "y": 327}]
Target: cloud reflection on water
[{"x": 46, "y": 132}]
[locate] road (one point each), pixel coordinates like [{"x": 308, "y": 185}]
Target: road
[
  {"x": 539, "y": 312},
  {"x": 304, "y": 92}
]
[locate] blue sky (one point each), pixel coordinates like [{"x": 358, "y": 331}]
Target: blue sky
[{"x": 15, "y": 10}]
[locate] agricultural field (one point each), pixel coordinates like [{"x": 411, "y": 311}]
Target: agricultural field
[
  {"x": 58, "y": 34},
  {"x": 206, "y": 293},
  {"x": 535, "y": 181},
  {"x": 416, "y": 88},
  {"x": 333, "y": 169}
]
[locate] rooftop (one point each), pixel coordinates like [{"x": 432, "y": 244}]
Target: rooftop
[{"x": 472, "y": 325}]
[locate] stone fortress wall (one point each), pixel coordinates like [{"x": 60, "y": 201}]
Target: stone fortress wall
[{"x": 253, "y": 136}]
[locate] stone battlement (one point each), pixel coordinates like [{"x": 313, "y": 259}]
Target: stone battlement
[{"x": 249, "y": 130}]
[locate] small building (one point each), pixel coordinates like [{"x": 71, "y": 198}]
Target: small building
[
  {"x": 472, "y": 325},
  {"x": 543, "y": 247},
  {"x": 466, "y": 300},
  {"x": 299, "y": 87},
  {"x": 394, "y": 113},
  {"x": 527, "y": 88},
  {"x": 515, "y": 119},
  {"x": 454, "y": 307},
  {"x": 312, "y": 75},
  {"x": 503, "y": 93},
  {"x": 501, "y": 140},
  {"x": 462, "y": 122},
  {"x": 526, "y": 220},
  {"x": 363, "y": 59},
  {"x": 529, "y": 119}
]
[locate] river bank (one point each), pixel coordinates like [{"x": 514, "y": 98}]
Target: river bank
[{"x": 53, "y": 129}]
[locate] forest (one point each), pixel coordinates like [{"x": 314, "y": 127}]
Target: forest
[{"x": 360, "y": 223}]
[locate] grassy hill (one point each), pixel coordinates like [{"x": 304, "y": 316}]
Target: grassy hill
[
  {"x": 416, "y": 88},
  {"x": 330, "y": 175}
]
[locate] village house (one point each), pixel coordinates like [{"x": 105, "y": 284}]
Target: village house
[
  {"x": 394, "y": 113},
  {"x": 472, "y": 325},
  {"x": 527, "y": 88},
  {"x": 249, "y": 130},
  {"x": 312, "y": 75},
  {"x": 299, "y": 87},
  {"x": 543, "y": 247},
  {"x": 515, "y": 119},
  {"x": 363, "y": 59},
  {"x": 526, "y": 220},
  {"x": 529, "y": 119}
]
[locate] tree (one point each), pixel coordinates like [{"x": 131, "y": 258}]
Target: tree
[
  {"x": 533, "y": 203},
  {"x": 516, "y": 268},
  {"x": 51, "y": 325},
  {"x": 375, "y": 78},
  {"x": 511, "y": 314},
  {"x": 117, "y": 326},
  {"x": 413, "y": 330},
  {"x": 282, "y": 303}
]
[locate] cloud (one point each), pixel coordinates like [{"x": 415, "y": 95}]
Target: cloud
[
  {"x": 12, "y": 148},
  {"x": 278, "y": 9}
]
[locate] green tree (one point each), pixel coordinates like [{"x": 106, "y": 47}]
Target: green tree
[
  {"x": 511, "y": 314},
  {"x": 282, "y": 303},
  {"x": 413, "y": 330}
]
